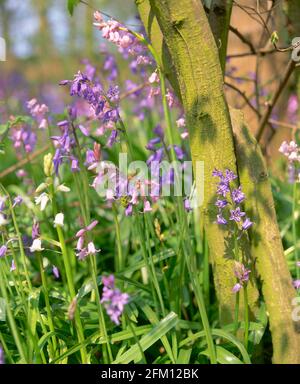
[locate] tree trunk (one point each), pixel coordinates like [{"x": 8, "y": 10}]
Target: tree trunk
[
  {"x": 194, "y": 55},
  {"x": 266, "y": 244},
  {"x": 192, "y": 50}
]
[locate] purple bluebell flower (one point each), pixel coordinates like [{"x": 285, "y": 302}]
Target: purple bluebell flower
[
  {"x": 237, "y": 287},
  {"x": 242, "y": 274},
  {"x": 72, "y": 112},
  {"x": 2, "y": 361},
  {"x": 113, "y": 299},
  {"x": 35, "y": 231},
  {"x": 221, "y": 220},
  {"x": 55, "y": 272},
  {"x": 223, "y": 189},
  {"x": 151, "y": 144},
  {"x": 3, "y": 250},
  {"x": 229, "y": 175},
  {"x": 89, "y": 157},
  {"x": 217, "y": 173},
  {"x": 221, "y": 203},
  {"x": 159, "y": 131},
  {"x": 233, "y": 196},
  {"x": 23, "y": 136},
  {"x": 88, "y": 228},
  {"x": 236, "y": 214},
  {"x": 112, "y": 138},
  {"x": 237, "y": 195},
  {"x": 179, "y": 152},
  {"x": 2, "y": 203},
  {"x": 129, "y": 210},
  {"x": 17, "y": 201},
  {"x": 13, "y": 266},
  {"x": 246, "y": 224},
  {"x": 74, "y": 164},
  {"x": 187, "y": 205},
  {"x": 296, "y": 284}
]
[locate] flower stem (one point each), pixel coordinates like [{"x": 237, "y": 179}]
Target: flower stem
[
  {"x": 11, "y": 320},
  {"x": 47, "y": 301},
  {"x": 294, "y": 227},
  {"x": 246, "y": 319}
]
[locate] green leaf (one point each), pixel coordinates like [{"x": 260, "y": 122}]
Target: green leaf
[
  {"x": 160, "y": 330},
  {"x": 2, "y": 309},
  {"x": 223, "y": 334},
  {"x": 274, "y": 37},
  {"x": 71, "y": 5},
  {"x": 184, "y": 356},
  {"x": 224, "y": 356},
  {"x": 3, "y": 128},
  {"x": 151, "y": 316}
]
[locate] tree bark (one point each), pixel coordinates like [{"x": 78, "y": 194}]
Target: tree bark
[
  {"x": 192, "y": 50},
  {"x": 219, "y": 19},
  {"x": 266, "y": 244},
  {"x": 194, "y": 55}
]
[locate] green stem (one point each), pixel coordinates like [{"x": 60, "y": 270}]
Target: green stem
[
  {"x": 84, "y": 205},
  {"x": 69, "y": 275},
  {"x": 120, "y": 263},
  {"x": 47, "y": 301},
  {"x": 236, "y": 312},
  {"x": 246, "y": 334},
  {"x": 294, "y": 227},
  {"x": 22, "y": 252},
  {"x": 152, "y": 266},
  {"x": 11, "y": 321}
]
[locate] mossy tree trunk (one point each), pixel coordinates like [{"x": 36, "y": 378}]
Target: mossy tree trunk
[
  {"x": 191, "y": 50},
  {"x": 266, "y": 244},
  {"x": 219, "y": 19}
]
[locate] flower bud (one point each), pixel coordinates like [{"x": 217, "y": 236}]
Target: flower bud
[{"x": 48, "y": 165}]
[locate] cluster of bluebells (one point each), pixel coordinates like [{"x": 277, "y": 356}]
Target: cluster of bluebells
[
  {"x": 64, "y": 145},
  {"x": 229, "y": 201},
  {"x": 38, "y": 112},
  {"x": 292, "y": 152},
  {"x": 127, "y": 191},
  {"x": 131, "y": 47},
  {"x": 104, "y": 106},
  {"x": 113, "y": 299},
  {"x": 2, "y": 361},
  {"x": 23, "y": 137},
  {"x": 4, "y": 221},
  {"x": 120, "y": 35},
  {"x": 229, "y": 209},
  {"x": 242, "y": 274},
  {"x": 296, "y": 283},
  {"x": 83, "y": 249},
  {"x": 137, "y": 190}
]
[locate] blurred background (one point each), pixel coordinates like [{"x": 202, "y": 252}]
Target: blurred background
[{"x": 46, "y": 45}]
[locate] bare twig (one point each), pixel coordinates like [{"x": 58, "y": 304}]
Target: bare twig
[
  {"x": 24, "y": 161},
  {"x": 265, "y": 118},
  {"x": 248, "y": 102}
]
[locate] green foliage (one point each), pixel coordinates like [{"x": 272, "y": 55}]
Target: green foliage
[{"x": 72, "y": 4}]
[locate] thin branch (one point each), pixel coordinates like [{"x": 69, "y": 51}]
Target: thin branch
[
  {"x": 248, "y": 102},
  {"x": 24, "y": 161},
  {"x": 243, "y": 39},
  {"x": 265, "y": 118}
]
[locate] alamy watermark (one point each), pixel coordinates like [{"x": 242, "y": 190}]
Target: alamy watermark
[
  {"x": 296, "y": 49},
  {"x": 155, "y": 180},
  {"x": 2, "y": 49}
]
